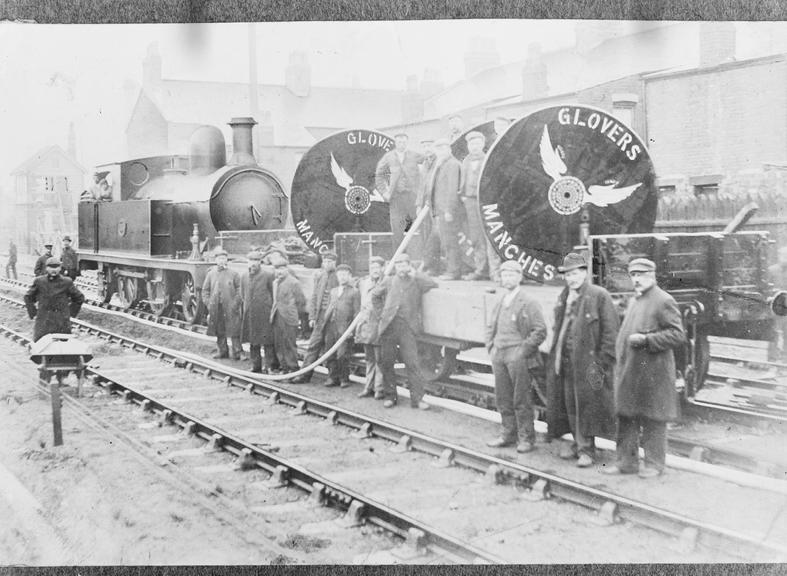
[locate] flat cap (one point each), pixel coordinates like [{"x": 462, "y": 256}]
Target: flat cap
[
  {"x": 219, "y": 252},
  {"x": 403, "y": 257},
  {"x": 280, "y": 261},
  {"x": 474, "y": 135},
  {"x": 511, "y": 266},
  {"x": 66, "y": 238},
  {"x": 344, "y": 267},
  {"x": 572, "y": 261},
  {"x": 329, "y": 255},
  {"x": 53, "y": 261},
  {"x": 377, "y": 260},
  {"x": 254, "y": 255},
  {"x": 48, "y": 244},
  {"x": 642, "y": 265}
]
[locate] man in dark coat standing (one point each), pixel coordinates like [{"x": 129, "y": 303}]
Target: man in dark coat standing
[
  {"x": 344, "y": 306},
  {"x": 442, "y": 196},
  {"x": 580, "y": 396},
  {"x": 288, "y": 305},
  {"x": 645, "y": 396},
  {"x": 512, "y": 340},
  {"x": 57, "y": 298},
  {"x": 11, "y": 264},
  {"x": 256, "y": 288},
  {"x": 321, "y": 296},
  {"x": 221, "y": 294},
  {"x": 366, "y": 332},
  {"x": 400, "y": 323},
  {"x": 69, "y": 259},
  {"x": 397, "y": 178},
  {"x": 40, "y": 267}
]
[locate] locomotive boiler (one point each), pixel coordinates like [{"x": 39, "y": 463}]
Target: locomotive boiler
[{"x": 147, "y": 244}]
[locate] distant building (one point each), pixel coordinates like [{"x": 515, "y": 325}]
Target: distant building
[{"x": 46, "y": 191}]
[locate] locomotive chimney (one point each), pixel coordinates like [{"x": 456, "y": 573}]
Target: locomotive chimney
[{"x": 242, "y": 145}]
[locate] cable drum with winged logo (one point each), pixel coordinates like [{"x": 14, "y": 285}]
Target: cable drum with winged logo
[
  {"x": 333, "y": 189},
  {"x": 554, "y": 167}
]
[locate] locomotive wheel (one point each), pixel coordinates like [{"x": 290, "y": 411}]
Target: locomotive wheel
[
  {"x": 436, "y": 361},
  {"x": 158, "y": 297},
  {"x": 190, "y": 302},
  {"x": 128, "y": 291}
]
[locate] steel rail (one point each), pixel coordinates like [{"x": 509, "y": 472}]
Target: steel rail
[
  {"x": 358, "y": 508},
  {"x": 540, "y": 484}
]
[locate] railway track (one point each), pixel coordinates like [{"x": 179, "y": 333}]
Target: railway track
[{"x": 222, "y": 395}]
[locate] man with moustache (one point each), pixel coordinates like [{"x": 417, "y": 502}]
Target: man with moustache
[
  {"x": 221, "y": 294},
  {"x": 397, "y": 178},
  {"x": 321, "y": 295},
  {"x": 426, "y": 169},
  {"x": 582, "y": 359},
  {"x": 442, "y": 196},
  {"x": 40, "y": 266},
  {"x": 256, "y": 289},
  {"x": 288, "y": 305},
  {"x": 69, "y": 259},
  {"x": 400, "y": 322},
  {"x": 645, "y": 397},
  {"x": 344, "y": 306},
  {"x": 366, "y": 332},
  {"x": 468, "y": 189},
  {"x": 58, "y": 300},
  {"x": 512, "y": 340}
]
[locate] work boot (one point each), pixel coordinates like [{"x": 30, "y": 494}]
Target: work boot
[
  {"x": 421, "y": 405},
  {"x": 584, "y": 461},
  {"x": 257, "y": 369},
  {"x": 302, "y": 379},
  {"x": 379, "y": 396},
  {"x": 568, "y": 452},
  {"x": 219, "y": 355},
  {"x": 365, "y": 394},
  {"x": 500, "y": 442},
  {"x": 649, "y": 472},
  {"x": 345, "y": 384},
  {"x": 615, "y": 470},
  {"x": 389, "y": 403},
  {"x": 525, "y": 447},
  {"x": 330, "y": 383}
]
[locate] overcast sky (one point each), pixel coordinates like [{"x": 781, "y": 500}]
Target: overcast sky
[{"x": 56, "y": 74}]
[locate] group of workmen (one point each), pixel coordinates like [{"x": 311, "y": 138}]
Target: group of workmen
[
  {"x": 433, "y": 177},
  {"x": 603, "y": 378},
  {"x": 264, "y": 306}
]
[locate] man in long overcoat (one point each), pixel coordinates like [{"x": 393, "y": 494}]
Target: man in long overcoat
[
  {"x": 442, "y": 196},
  {"x": 397, "y": 179},
  {"x": 11, "y": 264},
  {"x": 580, "y": 372},
  {"x": 513, "y": 336},
  {"x": 288, "y": 305},
  {"x": 400, "y": 323},
  {"x": 321, "y": 296},
  {"x": 40, "y": 267},
  {"x": 366, "y": 332},
  {"x": 645, "y": 396},
  {"x": 221, "y": 294},
  {"x": 344, "y": 306},
  {"x": 257, "y": 291},
  {"x": 57, "y": 298},
  {"x": 69, "y": 259}
]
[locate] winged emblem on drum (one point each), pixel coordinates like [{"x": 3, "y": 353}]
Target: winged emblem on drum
[
  {"x": 357, "y": 199},
  {"x": 567, "y": 194}
]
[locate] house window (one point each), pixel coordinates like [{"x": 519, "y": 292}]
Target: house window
[
  {"x": 667, "y": 190},
  {"x": 706, "y": 189}
]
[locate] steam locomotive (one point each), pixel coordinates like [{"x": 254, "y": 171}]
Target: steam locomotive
[{"x": 559, "y": 179}]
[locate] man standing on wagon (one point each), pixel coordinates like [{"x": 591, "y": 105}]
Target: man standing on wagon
[
  {"x": 645, "y": 397},
  {"x": 221, "y": 294}
]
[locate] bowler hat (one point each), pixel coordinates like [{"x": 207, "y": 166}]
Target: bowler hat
[
  {"x": 572, "y": 261},
  {"x": 344, "y": 267},
  {"x": 511, "y": 266},
  {"x": 474, "y": 135},
  {"x": 642, "y": 265},
  {"x": 66, "y": 238},
  {"x": 53, "y": 261}
]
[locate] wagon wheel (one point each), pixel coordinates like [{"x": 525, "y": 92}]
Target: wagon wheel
[
  {"x": 128, "y": 291},
  {"x": 190, "y": 301},
  {"x": 158, "y": 297},
  {"x": 436, "y": 361}
]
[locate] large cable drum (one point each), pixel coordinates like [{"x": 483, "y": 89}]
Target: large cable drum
[
  {"x": 334, "y": 188},
  {"x": 556, "y": 168}
]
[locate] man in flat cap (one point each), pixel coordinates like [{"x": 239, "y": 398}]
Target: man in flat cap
[
  {"x": 344, "y": 306},
  {"x": 426, "y": 170},
  {"x": 400, "y": 323},
  {"x": 221, "y": 294},
  {"x": 256, "y": 288},
  {"x": 442, "y": 196},
  {"x": 69, "y": 258},
  {"x": 288, "y": 305},
  {"x": 11, "y": 264},
  {"x": 580, "y": 396},
  {"x": 512, "y": 340},
  {"x": 397, "y": 178},
  {"x": 325, "y": 281},
  {"x": 57, "y": 298},
  {"x": 645, "y": 397},
  {"x": 40, "y": 267},
  {"x": 366, "y": 332}
]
